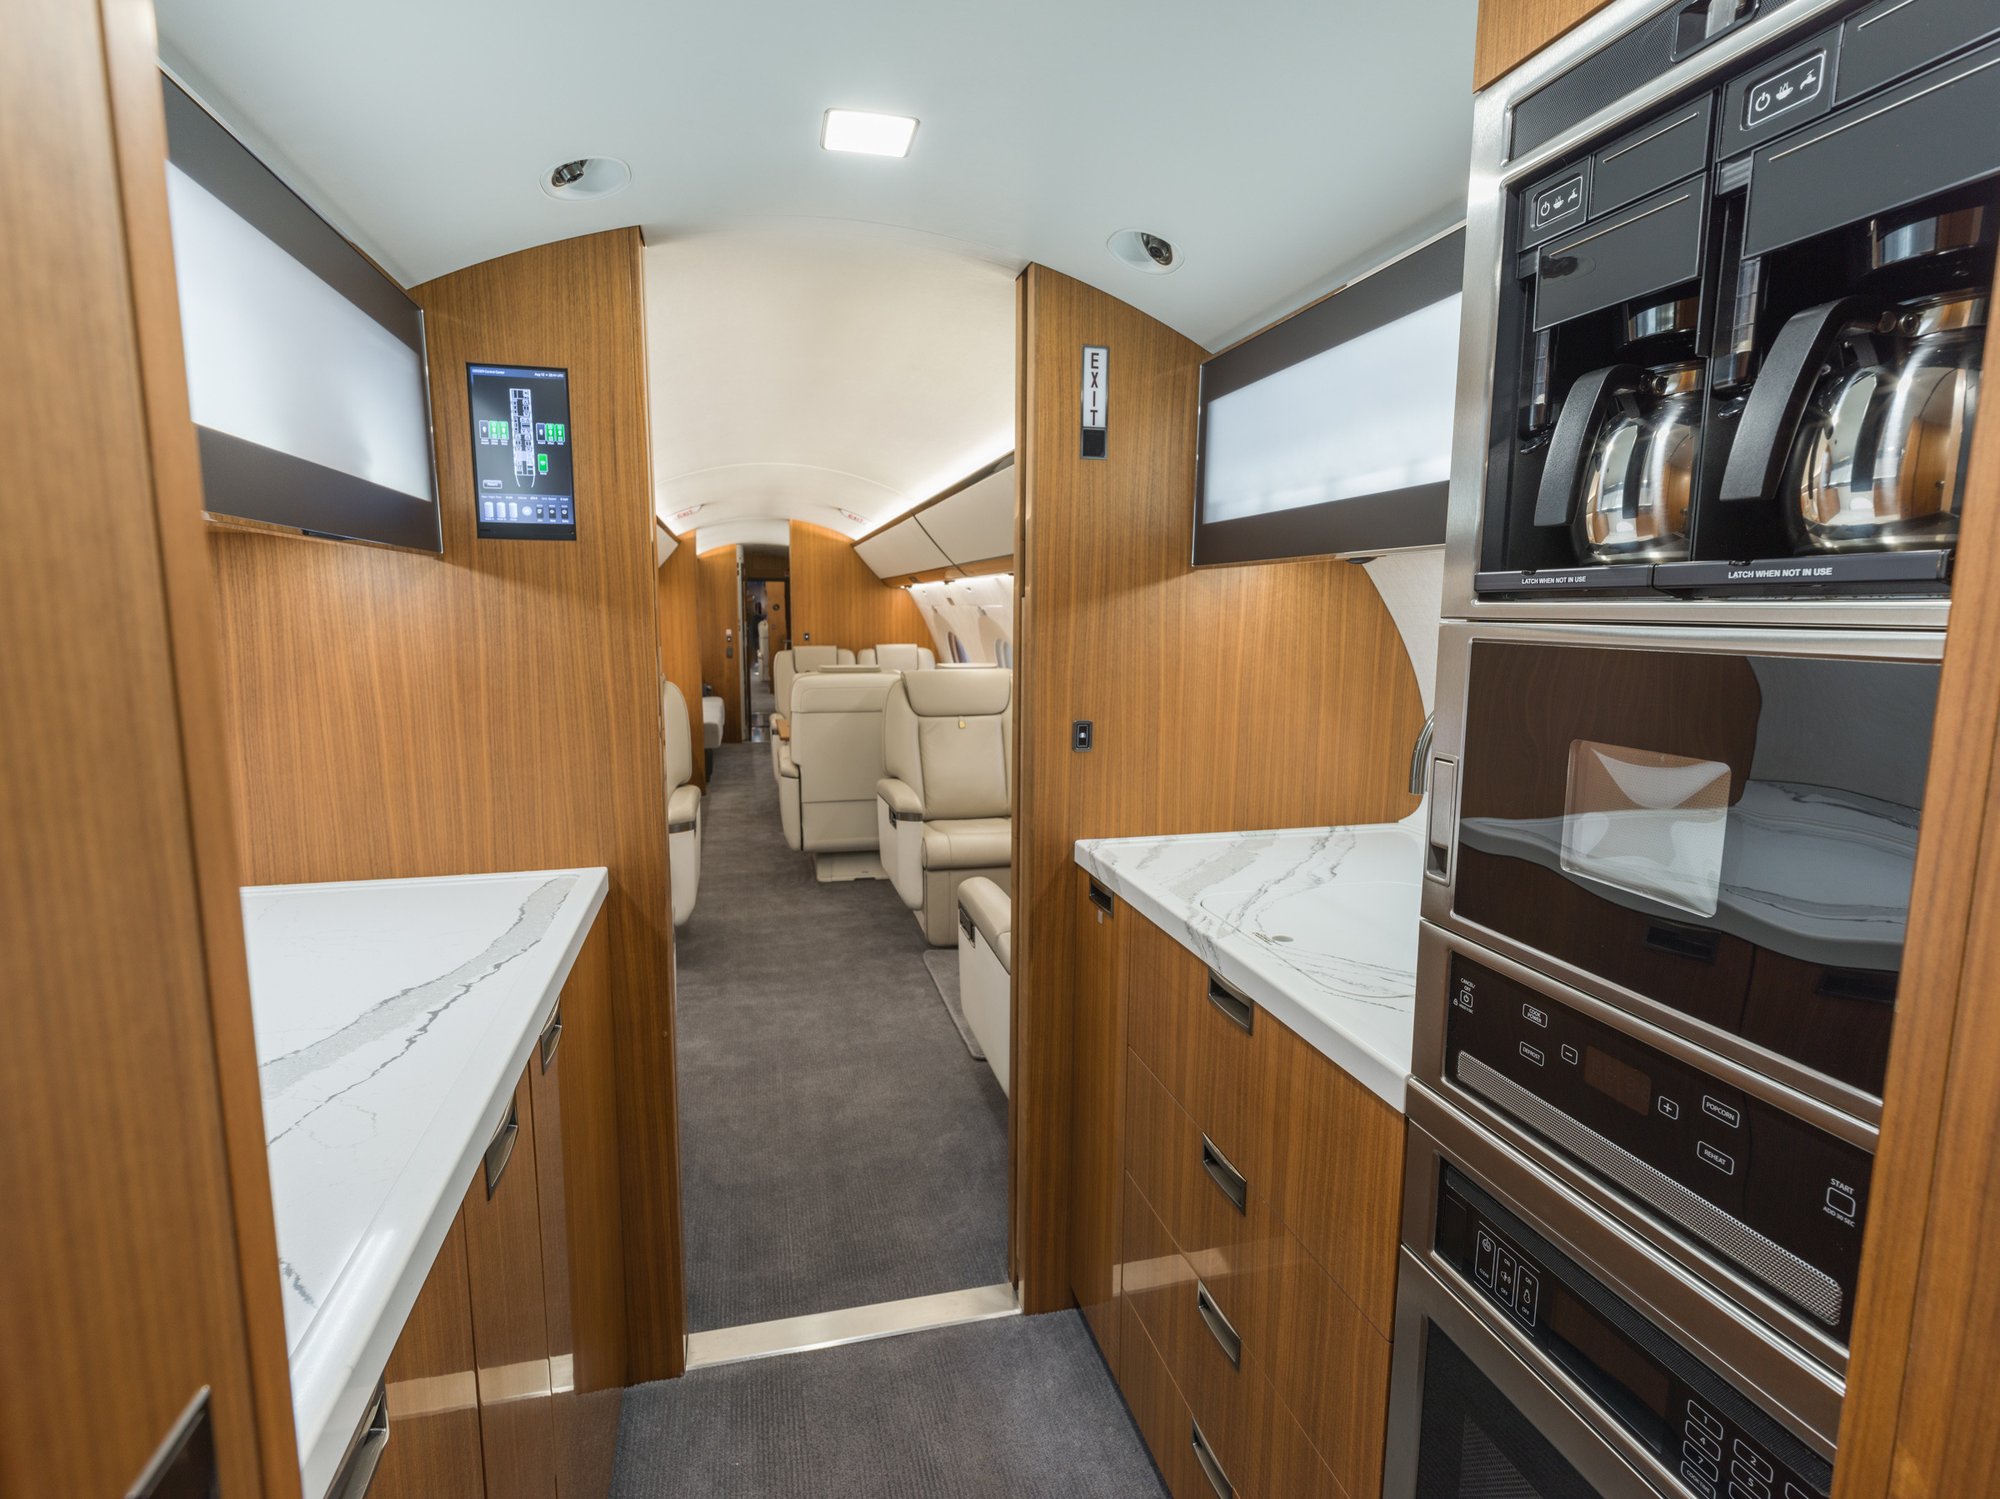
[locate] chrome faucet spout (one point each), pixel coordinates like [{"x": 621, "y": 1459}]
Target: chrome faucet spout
[{"x": 1420, "y": 757}]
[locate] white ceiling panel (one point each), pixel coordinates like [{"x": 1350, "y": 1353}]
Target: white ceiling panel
[
  {"x": 977, "y": 523},
  {"x": 901, "y": 550}
]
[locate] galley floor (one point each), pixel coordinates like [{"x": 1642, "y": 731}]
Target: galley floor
[
  {"x": 1016, "y": 1408},
  {"x": 839, "y": 1145}
]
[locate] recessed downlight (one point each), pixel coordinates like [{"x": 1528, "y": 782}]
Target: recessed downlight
[
  {"x": 1143, "y": 250},
  {"x": 586, "y": 177},
  {"x": 867, "y": 134}
]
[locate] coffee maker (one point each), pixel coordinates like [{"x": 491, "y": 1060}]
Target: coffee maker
[{"x": 1737, "y": 335}]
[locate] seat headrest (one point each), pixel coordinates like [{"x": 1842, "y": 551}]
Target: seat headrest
[
  {"x": 678, "y": 733},
  {"x": 807, "y": 658},
  {"x": 898, "y": 657},
  {"x": 948, "y": 694},
  {"x": 841, "y": 691}
]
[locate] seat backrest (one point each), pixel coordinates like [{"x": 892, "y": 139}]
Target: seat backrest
[
  {"x": 899, "y": 657},
  {"x": 837, "y": 734},
  {"x": 788, "y": 666},
  {"x": 677, "y": 732},
  {"x": 949, "y": 736}
]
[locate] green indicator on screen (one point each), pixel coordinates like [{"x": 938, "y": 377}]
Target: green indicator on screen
[{"x": 541, "y": 463}]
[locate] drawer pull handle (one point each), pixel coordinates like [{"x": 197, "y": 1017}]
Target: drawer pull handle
[
  {"x": 1239, "y": 1011},
  {"x": 1224, "y": 1175},
  {"x": 1210, "y": 1468},
  {"x": 501, "y": 1151},
  {"x": 551, "y": 1038},
  {"x": 357, "y": 1471},
  {"x": 1101, "y": 898},
  {"x": 1226, "y": 1337}
]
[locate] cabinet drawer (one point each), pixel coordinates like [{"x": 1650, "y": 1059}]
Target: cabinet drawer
[
  {"x": 1157, "y": 1408},
  {"x": 1195, "y": 1033},
  {"x": 1190, "y": 1182},
  {"x": 1325, "y": 1359},
  {"x": 1252, "y": 1439},
  {"x": 1331, "y": 1157}
]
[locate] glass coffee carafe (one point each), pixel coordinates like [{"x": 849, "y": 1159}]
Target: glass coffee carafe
[{"x": 1633, "y": 503}]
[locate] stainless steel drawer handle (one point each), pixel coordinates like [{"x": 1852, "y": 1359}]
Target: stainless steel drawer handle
[
  {"x": 1224, "y": 1175},
  {"x": 364, "y": 1456},
  {"x": 1210, "y": 1468},
  {"x": 1226, "y": 1337},
  {"x": 1239, "y": 1011},
  {"x": 551, "y": 1038},
  {"x": 501, "y": 1151}
]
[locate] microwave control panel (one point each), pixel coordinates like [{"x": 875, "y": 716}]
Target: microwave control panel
[
  {"x": 1699, "y": 1427},
  {"x": 1781, "y": 1199}
]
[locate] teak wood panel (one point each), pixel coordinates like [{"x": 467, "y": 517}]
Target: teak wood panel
[
  {"x": 1512, "y": 31},
  {"x": 1199, "y": 1054},
  {"x": 836, "y": 599},
  {"x": 433, "y": 1390},
  {"x": 1255, "y": 1440},
  {"x": 1923, "y": 1376},
  {"x": 496, "y": 708},
  {"x": 1097, "y": 1115},
  {"x": 680, "y": 640},
  {"x": 123, "y": 1289},
  {"x": 1157, "y": 1407},
  {"x": 503, "y": 1260},
  {"x": 718, "y": 610},
  {"x": 778, "y": 612},
  {"x": 545, "y": 1088},
  {"x": 585, "y": 1069},
  {"x": 1268, "y": 696}
]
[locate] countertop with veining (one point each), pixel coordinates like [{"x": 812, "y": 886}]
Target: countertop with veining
[
  {"x": 1317, "y": 925},
  {"x": 393, "y": 1019}
]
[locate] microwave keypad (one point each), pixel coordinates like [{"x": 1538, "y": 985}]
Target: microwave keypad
[{"x": 1781, "y": 1199}]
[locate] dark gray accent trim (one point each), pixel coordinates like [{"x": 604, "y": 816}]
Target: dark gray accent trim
[
  {"x": 1365, "y": 524},
  {"x": 1362, "y": 526},
  {"x": 253, "y": 482},
  {"x": 201, "y": 146},
  {"x": 681, "y": 827},
  {"x": 895, "y": 816}
]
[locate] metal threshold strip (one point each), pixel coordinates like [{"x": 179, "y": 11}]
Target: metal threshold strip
[{"x": 855, "y": 1324}]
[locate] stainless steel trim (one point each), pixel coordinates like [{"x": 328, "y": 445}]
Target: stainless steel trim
[
  {"x": 1238, "y": 1008},
  {"x": 501, "y": 1149},
  {"x": 1763, "y": 1075},
  {"x": 1228, "y": 1180},
  {"x": 167, "y": 1456},
  {"x": 1210, "y": 1468},
  {"x": 1603, "y": 229},
  {"x": 1494, "y": 175},
  {"x": 356, "y": 1475},
  {"x": 1883, "y": 15},
  {"x": 551, "y": 1038},
  {"x": 1876, "y": 114},
  {"x": 1799, "y": 1391},
  {"x": 1603, "y": 1454},
  {"x": 1227, "y": 1338},
  {"x": 1810, "y": 1286},
  {"x": 1102, "y": 898},
  {"x": 1420, "y": 754},
  {"x": 1643, "y": 1252},
  {"x": 1692, "y": 114}
]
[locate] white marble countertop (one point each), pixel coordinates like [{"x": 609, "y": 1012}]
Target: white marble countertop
[
  {"x": 393, "y": 1019},
  {"x": 1317, "y": 925}
]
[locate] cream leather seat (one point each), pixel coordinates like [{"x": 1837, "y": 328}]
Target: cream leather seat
[
  {"x": 985, "y": 959},
  {"x": 683, "y": 802},
  {"x": 834, "y": 762},
  {"x": 899, "y": 657},
  {"x": 786, "y": 668},
  {"x": 944, "y": 806}
]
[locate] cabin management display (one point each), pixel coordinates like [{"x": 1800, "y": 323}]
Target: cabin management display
[{"x": 521, "y": 452}]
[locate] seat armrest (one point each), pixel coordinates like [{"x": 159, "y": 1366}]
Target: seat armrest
[
  {"x": 900, "y": 799},
  {"x": 684, "y": 807},
  {"x": 788, "y": 768}
]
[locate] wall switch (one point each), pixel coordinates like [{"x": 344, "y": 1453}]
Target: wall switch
[{"x": 1080, "y": 734}]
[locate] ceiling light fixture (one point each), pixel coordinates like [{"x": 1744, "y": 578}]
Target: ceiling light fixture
[
  {"x": 1143, "y": 250},
  {"x": 586, "y": 177},
  {"x": 867, "y": 134}
]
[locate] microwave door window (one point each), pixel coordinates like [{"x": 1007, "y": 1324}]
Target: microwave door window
[
  {"x": 1647, "y": 823},
  {"x": 1476, "y": 1444}
]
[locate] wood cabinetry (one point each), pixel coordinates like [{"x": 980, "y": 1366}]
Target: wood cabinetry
[
  {"x": 433, "y": 1391},
  {"x": 1253, "y": 1192},
  {"x": 1512, "y": 31}
]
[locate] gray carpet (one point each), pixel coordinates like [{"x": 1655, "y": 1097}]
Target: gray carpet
[
  {"x": 943, "y": 964},
  {"x": 1019, "y": 1408},
  {"x": 838, "y": 1145}
]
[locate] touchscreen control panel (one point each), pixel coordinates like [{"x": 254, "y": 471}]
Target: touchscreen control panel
[{"x": 521, "y": 454}]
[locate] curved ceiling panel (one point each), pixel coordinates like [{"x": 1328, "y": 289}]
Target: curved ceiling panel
[
  {"x": 977, "y": 523},
  {"x": 901, "y": 550}
]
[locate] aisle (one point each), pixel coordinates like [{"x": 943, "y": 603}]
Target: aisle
[{"x": 839, "y": 1146}]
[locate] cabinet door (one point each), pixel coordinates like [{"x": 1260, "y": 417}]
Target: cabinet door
[
  {"x": 545, "y": 1089},
  {"x": 503, "y": 1255},
  {"x": 433, "y": 1390},
  {"x": 1097, "y": 1113}
]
